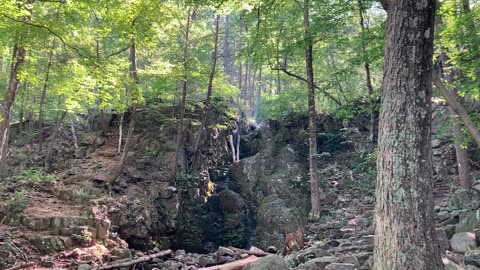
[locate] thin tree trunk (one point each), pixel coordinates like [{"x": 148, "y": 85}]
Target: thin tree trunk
[
  {"x": 457, "y": 108},
  {"x": 18, "y": 60},
  {"x": 463, "y": 164},
  {"x": 54, "y": 138},
  {"x": 312, "y": 129},
  {"x": 42, "y": 99},
  {"x": 120, "y": 134},
  {"x": 405, "y": 237},
  {"x": 131, "y": 125},
  {"x": 203, "y": 126},
  {"x": 74, "y": 134},
  {"x": 226, "y": 50},
  {"x": 240, "y": 79},
  {"x": 368, "y": 78},
  {"x": 184, "y": 98},
  {"x": 258, "y": 94}
]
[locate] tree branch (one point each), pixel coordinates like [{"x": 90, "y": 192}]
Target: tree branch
[
  {"x": 327, "y": 94},
  {"x": 48, "y": 30},
  {"x": 119, "y": 51}
]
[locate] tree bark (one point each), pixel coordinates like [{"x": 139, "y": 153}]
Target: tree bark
[
  {"x": 18, "y": 60},
  {"x": 206, "y": 109},
  {"x": 226, "y": 50},
  {"x": 405, "y": 237},
  {"x": 184, "y": 97},
  {"x": 312, "y": 116},
  {"x": 42, "y": 98}
]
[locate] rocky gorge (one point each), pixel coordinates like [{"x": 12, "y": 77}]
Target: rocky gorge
[{"x": 67, "y": 219}]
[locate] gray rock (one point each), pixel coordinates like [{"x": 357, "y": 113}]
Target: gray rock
[
  {"x": 223, "y": 251},
  {"x": 351, "y": 259},
  {"x": 274, "y": 218},
  {"x": 472, "y": 257},
  {"x": 340, "y": 266},
  {"x": 468, "y": 222},
  {"x": 312, "y": 252},
  {"x": 84, "y": 267},
  {"x": 443, "y": 241},
  {"x": 465, "y": 199},
  {"x": 461, "y": 242},
  {"x": 318, "y": 263},
  {"x": 231, "y": 201},
  {"x": 449, "y": 265},
  {"x": 270, "y": 262},
  {"x": 443, "y": 215}
]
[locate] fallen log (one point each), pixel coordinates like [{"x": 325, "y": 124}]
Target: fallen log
[
  {"x": 236, "y": 265},
  {"x": 22, "y": 266},
  {"x": 258, "y": 252},
  {"x": 135, "y": 261}
]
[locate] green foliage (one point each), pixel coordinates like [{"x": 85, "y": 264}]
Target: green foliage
[
  {"x": 364, "y": 170},
  {"x": 286, "y": 103},
  {"x": 82, "y": 195},
  {"x": 17, "y": 204},
  {"x": 33, "y": 176}
]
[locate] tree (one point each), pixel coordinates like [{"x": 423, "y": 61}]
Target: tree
[
  {"x": 312, "y": 116},
  {"x": 206, "y": 109},
  {"x": 18, "y": 60},
  {"x": 183, "y": 102},
  {"x": 405, "y": 237}
]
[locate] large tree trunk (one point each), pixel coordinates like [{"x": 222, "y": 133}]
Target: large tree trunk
[
  {"x": 18, "y": 60},
  {"x": 184, "y": 97},
  {"x": 405, "y": 236},
  {"x": 42, "y": 98},
  {"x": 312, "y": 129},
  {"x": 206, "y": 109}
]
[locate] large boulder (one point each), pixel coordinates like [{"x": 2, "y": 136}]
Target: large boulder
[
  {"x": 230, "y": 201},
  {"x": 461, "y": 242},
  {"x": 270, "y": 262},
  {"x": 274, "y": 219}
]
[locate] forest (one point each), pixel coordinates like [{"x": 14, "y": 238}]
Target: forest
[{"x": 240, "y": 135}]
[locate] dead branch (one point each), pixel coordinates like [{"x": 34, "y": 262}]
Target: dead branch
[
  {"x": 22, "y": 266},
  {"x": 136, "y": 261},
  {"x": 259, "y": 253},
  {"x": 236, "y": 265}
]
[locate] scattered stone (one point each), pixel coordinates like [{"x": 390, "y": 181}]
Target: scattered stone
[
  {"x": 272, "y": 249},
  {"x": 449, "y": 265},
  {"x": 465, "y": 199},
  {"x": 468, "y": 222},
  {"x": 270, "y": 262},
  {"x": 461, "y": 242},
  {"x": 340, "y": 266},
  {"x": 121, "y": 253},
  {"x": 443, "y": 215},
  {"x": 222, "y": 251},
  {"x": 318, "y": 263},
  {"x": 350, "y": 259},
  {"x": 84, "y": 267},
  {"x": 205, "y": 260},
  {"x": 472, "y": 257}
]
